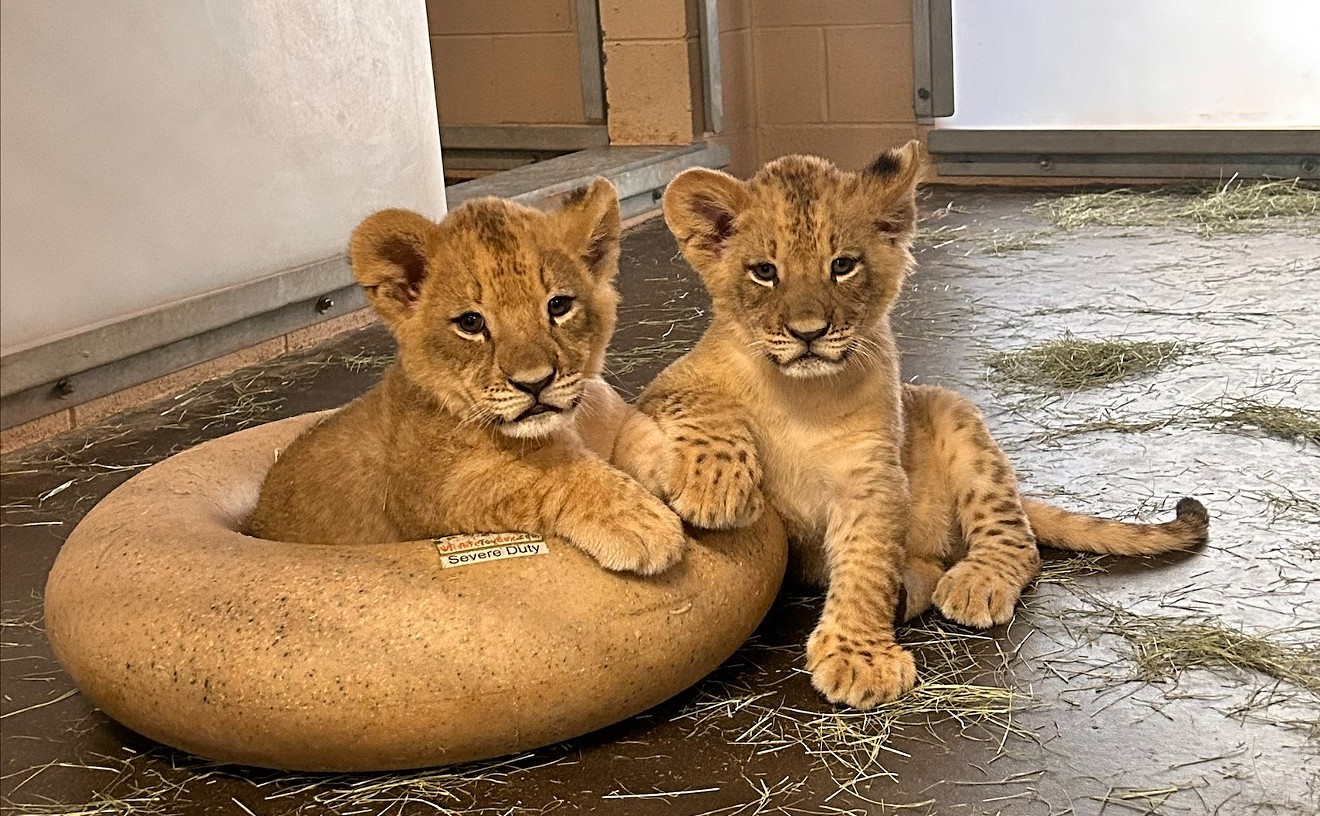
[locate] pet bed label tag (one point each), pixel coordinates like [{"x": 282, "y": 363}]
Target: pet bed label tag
[{"x": 463, "y": 550}]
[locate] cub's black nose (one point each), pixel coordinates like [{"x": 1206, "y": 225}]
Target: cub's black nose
[
  {"x": 808, "y": 335},
  {"x": 528, "y": 385}
]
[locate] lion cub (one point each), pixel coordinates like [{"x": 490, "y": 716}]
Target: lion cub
[
  {"x": 794, "y": 394},
  {"x": 502, "y": 315}
]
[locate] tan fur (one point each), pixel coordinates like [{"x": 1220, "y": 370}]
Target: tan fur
[
  {"x": 886, "y": 490},
  {"x": 443, "y": 445}
]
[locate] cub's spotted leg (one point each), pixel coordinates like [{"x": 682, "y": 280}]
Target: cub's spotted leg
[
  {"x": 698, "y": 453},
  {"x": 983, "y": 588},
  {"x": 931, "y": 526},
  {"x": 852, "y": 655}
]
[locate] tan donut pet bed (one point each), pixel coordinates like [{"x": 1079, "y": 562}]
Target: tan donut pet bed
[
  {"x": 372, "y": 657},
  {"x": 358, "y": 657}
]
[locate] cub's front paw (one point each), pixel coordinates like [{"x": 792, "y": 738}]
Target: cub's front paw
[
  {"x": 716, "y": 490},
  {"x": 978, "y": 595},
  {"x": 644, "y": 452},
  {"x": 646, "y": 538},
  {"x": 860, "y": 674}
]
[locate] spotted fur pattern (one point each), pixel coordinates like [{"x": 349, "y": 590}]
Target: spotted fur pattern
[{"x": 895, "y": 497}]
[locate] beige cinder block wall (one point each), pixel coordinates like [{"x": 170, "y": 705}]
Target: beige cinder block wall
[
  {"x": 652, "y": 71},
  {"x": 653, "y": 74},
  {"x": 738, "y": 75},
  {"x": 505, "y": 61},
  {"x": 832, "y": 78}
]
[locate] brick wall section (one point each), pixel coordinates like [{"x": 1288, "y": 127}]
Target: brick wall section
[
  {"x": 505, "y": 61},
  {"x": 833, "y": 78},
  {"x": 653, "y": 79},
  {"x": 738, "y": 75},
  {"x": 652, "y": 68}
]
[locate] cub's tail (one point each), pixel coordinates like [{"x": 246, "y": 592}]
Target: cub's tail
[{"x": 1064, "y": 530}]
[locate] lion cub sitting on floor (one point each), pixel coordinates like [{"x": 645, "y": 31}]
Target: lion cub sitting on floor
[
  {"x": 793, "y": 394},
  {"x": 502, "y": 315}
]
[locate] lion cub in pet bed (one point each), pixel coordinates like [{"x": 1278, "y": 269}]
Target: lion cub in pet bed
[
  {"x": 494, "y": 416},
  {"x": 794, "y": 394}
]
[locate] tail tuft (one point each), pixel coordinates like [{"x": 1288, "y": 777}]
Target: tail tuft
[
  {"x": 1190, "y": 509},
  {"x": 1193, "y": 514}
]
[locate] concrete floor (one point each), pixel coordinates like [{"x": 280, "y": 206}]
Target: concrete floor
[{"x": 1050, "y": 714}]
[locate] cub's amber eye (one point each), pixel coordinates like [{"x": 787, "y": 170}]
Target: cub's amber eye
[
  {"x": 842, "y": 266},
  {"x": 559, "y": 305},
  {"x": 764, "y": 272},
  {"x": 470, "y": 323}
]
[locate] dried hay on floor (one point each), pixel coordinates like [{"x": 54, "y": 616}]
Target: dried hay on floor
[
  {"x": 146, "y": 802},
  {"x": 1146, "y": 801},
  {"x": 359, "y": 362},
  {"x": 443, "y": 790},
  {"x": 1069, "y": 568},
  {"x": 955, "y": 686},
  {"x": 995, "y": 242},
  {"x": 1070, "y": 363},
  {"x": 1272, "y": 419},
  {"x": 243, "y": 398},
  {"x": 141, "y": 786},
  {"x": 940, "y": 236},
  {"x": 622, "y": 362},
  {"x": 250, "y": 396},
  {"x": 1163, "y": 647},
  {"x": 1241, "y": 415},
  {"x": 1234, "y": 206},
  {"x": 999, "y": 243},
  {"x": 1289, "y": 504}
]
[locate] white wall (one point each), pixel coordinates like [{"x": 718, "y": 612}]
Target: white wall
[
  {"x": 153, "y": 150},
  {"x": 1136, "y": 64}
]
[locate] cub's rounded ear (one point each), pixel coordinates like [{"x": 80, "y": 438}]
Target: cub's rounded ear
[
  {"x": 388, "y": 251},
  {"x": 899, "y": 166},
  {"x": 889, "y": 184},
  {"x": 590, "y": 223},
  {"x": 701, "y": 207}
]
